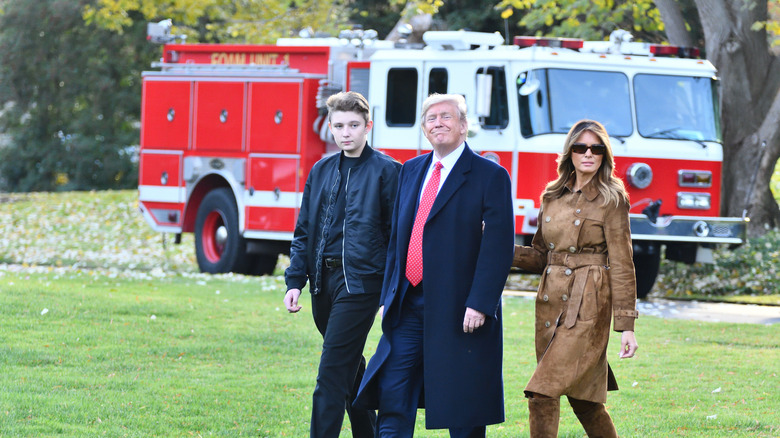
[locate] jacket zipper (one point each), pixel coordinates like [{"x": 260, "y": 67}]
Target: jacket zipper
[
  {"x": 321, "y": 245},
  {"x": 344, "y": 232}
]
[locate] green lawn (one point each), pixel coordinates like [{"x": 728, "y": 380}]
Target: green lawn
[
  {"x": 89, "y": 353},
  {"x": 107, "y": 332}
]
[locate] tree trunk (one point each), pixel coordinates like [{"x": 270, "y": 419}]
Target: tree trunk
[
  {"x": 761, "y": 204},
  {"x": 674, "y": 23},
  {"x": 750, "y": 107}
]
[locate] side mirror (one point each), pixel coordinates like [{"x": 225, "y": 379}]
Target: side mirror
[
  {"x": 484, "y": 90},
  {"x": 530, "y": 86}
]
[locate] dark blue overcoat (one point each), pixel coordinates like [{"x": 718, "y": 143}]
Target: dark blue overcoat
[{"x": 464, "y": 266}]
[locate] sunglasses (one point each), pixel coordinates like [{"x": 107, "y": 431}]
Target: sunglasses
[{"x": 581, "y": 148}]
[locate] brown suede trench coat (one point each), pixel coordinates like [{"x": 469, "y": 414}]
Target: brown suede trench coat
[{"x": 583, "y": 250}]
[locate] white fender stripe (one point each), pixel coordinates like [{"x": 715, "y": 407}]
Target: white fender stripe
[
  {"x": 263, "y": 198},
  {"x": 161, "y": 194}
]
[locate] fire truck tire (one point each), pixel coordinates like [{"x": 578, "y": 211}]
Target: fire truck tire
[
  {"x": 646, "y": 267},
  {"x": 219, "y": 247},
  {"x": 262, "y": 264}
]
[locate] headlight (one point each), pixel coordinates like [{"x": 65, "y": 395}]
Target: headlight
[
  {"x": 696, "y": 201},
  {"x": 639, "y": 175}
]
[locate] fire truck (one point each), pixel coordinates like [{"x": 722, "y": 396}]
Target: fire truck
[{"x": 230, "y": 132}]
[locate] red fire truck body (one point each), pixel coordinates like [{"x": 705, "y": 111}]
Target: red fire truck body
[{"x": 229, "y": 132}]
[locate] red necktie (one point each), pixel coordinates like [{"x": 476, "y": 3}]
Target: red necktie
[{"x": 414, "y": 262}]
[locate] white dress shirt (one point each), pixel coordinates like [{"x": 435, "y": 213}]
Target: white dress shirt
[{"x": 447, "y": 164}]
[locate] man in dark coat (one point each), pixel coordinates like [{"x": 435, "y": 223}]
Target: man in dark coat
[{"x": 448, "y": 258}]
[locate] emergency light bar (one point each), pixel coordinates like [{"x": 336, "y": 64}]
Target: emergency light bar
[
  {"x": 625, "y": 47},
  {"x": 682, "y": 52},
  {"x": 565, "y": 43}
]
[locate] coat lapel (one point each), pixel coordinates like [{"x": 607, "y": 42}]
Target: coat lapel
[
  {"x": 408, "y": 208},
  {"x": 453, "y": 182}
]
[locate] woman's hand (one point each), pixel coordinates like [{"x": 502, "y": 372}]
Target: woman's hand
[{"x": 628, "y": 344}]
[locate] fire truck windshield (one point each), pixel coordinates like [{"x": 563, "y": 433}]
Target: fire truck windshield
[
  {"x": 672, "y": 107},
  {"x": 677, "y": 107},
  {"x": 566, "y": 96}
]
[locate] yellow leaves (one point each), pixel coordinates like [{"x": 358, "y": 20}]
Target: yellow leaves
[
  {"x": 571, "y": 22},
  {"x": 61, "y": 179},
  {"x": 514, "y": 4},
  {"x": 772, "y": 29},
  {"x": 111, "y": 14},
  {"x": 250, "y": 21},
  {"x": 507, "y": 13}
]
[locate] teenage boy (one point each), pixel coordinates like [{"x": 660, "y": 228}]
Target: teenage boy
[{"x": 340, "y": 246}]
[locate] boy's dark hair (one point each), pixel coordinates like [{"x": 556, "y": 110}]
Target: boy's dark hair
[{"x": 349, "y": 101}]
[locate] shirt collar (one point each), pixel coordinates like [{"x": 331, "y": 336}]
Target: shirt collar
[
  {"x": 589, "y": 190},
  {"x": 449, "y": 161}
]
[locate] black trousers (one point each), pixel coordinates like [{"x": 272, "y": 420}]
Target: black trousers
[{"x": 344, "y": 321}]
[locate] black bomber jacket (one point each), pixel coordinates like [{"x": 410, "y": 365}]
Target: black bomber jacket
[{"x": 370, "y": 189}]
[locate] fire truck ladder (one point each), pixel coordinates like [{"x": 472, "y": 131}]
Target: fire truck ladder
[{"x": 232, "y": 69}]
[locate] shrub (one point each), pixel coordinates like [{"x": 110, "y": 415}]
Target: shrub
[{"x": 751, "y": 269}]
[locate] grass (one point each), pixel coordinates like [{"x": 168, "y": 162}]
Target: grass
[
  {"x": 89, "y": 353},
  {"x": 105, "y": 332}
]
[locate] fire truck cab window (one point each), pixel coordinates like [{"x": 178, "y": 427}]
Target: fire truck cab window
[
  {"x": 677, "y": 107},
  {"x": 499, "y": 108},
  {"x": 401, "y": 97},
  {"x": 564, "y": 97},
  {"x": 437, "y": 81}
]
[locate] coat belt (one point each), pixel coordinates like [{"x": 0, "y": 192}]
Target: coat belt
[{"x": 581, "y": 264}]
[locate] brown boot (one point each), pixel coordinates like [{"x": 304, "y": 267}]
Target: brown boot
[
  {"x": 594, "y": 418},
  {"x": 543, "y": 415}
]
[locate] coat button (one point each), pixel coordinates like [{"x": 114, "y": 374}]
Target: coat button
[
  {"x": 547, "y": 219},
  {"x": 547, "y": 323},
  {"x": 549, "y": 270},
  {"x": 545, "y": 298},
  {"x": 565, "y": 297},
  {"x": 568, "y": 272},
  {"x": 572, "y": 249},
  {"x": 577, "y": 222},
  {"x": 552, "y": 245},
  {"x": 578, "y": 211}
]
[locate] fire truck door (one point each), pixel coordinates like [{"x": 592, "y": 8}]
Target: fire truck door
[
  {"x": 489, "y": 109},
  {"x": 219, "y": 116},
  {"x": 396, "y": 96},
  {"x": 165, "y": 114},
  {"x": 274, "y": 116},
  {"x": 272, "y": 199},
  {"x": 275, "y": 135},
  {"x": 489, "y": 134},
  {"x": 160, "y": 189}
]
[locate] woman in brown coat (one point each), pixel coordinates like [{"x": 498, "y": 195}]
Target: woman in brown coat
[{"x": 583, "y": 250}]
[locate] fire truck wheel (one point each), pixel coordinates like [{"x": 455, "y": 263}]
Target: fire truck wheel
[
  {"x": 219, "y": 247},
  {"x": 262, "y": 264},
  {"x": 646, "y": 267}
]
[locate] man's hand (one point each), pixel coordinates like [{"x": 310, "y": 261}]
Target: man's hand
[
  {"x": 291, "y": 300},
  {"x": 473, "y": 320},
  {"x": 628, "y": 344}
]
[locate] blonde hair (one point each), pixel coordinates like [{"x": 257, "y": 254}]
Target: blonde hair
[
  {"x": 436, "y": 98},
  {"x": 609, "y": 186}
]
